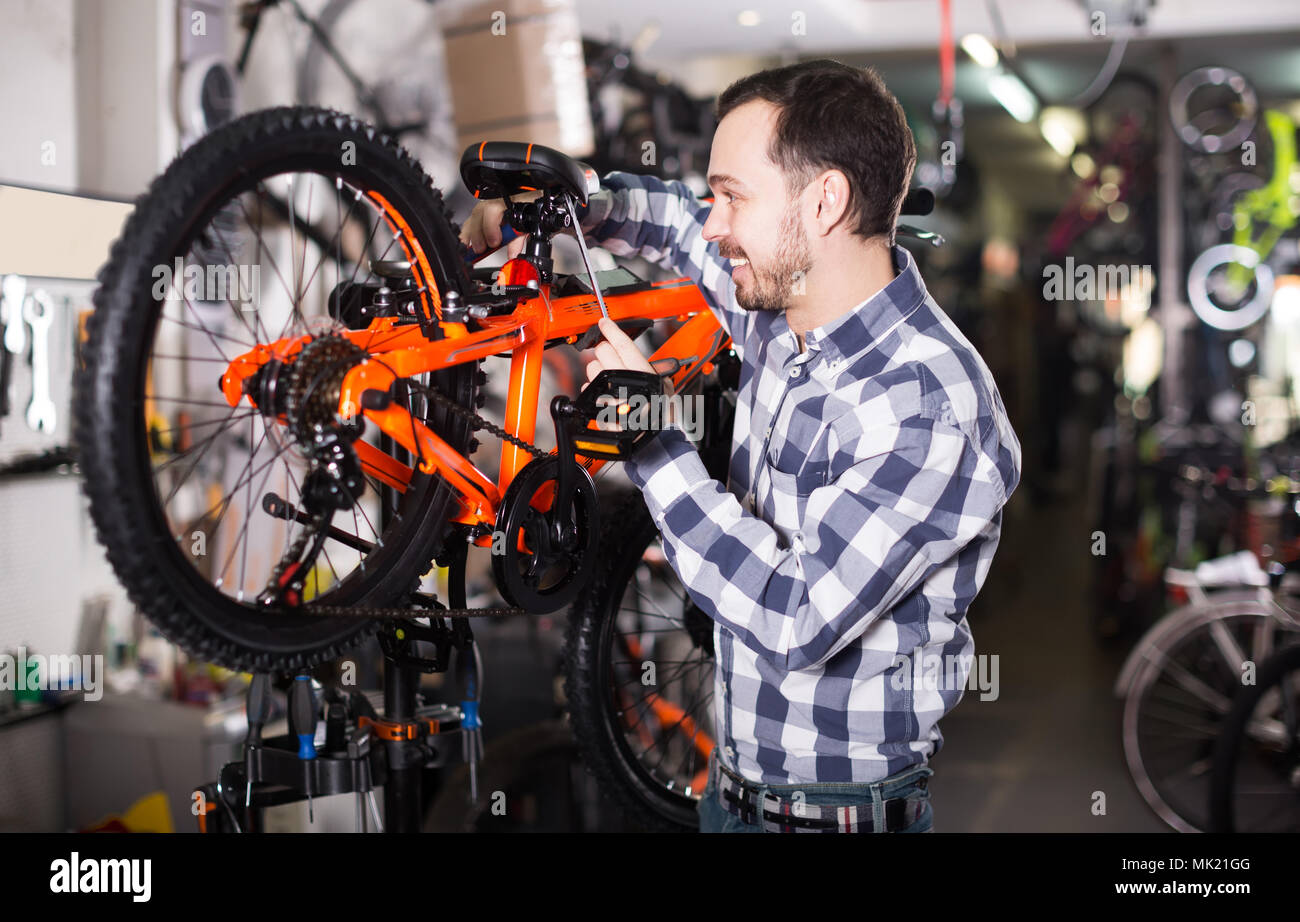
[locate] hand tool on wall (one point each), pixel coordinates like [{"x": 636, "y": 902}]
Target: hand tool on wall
[{"x": 38, "y": 311}]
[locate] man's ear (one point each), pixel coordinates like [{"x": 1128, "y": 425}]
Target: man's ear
[{"x": 833, "y": 200}]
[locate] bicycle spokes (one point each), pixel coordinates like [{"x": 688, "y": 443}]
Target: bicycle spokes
[
  {"x": 284, "y": 267},
  {"x": 661, "y": 678}
]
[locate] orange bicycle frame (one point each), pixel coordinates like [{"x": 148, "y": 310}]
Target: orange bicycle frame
[{"x": 402, "y": 351}]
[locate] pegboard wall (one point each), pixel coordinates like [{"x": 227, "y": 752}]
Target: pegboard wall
[{"x": 49, "y": 559}]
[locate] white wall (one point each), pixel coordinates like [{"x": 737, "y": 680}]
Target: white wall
[
  {"x": 86, "y": 93},
  {"x": 38, "y": 145}
]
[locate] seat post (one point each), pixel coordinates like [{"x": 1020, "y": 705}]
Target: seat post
[
  {"x": 538, "y": 252},
  {"x": 541, "y": 220}
]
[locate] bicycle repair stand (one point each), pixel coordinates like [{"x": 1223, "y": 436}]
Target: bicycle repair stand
[{"x": 361, "y": 749}]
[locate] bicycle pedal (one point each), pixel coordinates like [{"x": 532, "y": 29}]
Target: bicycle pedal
[{"x": 616, "y": 395}]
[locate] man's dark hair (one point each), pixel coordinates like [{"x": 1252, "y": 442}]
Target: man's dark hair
[{"x": 833, "y": 116}]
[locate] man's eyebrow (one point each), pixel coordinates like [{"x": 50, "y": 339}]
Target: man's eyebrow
[{"x": 723, "y": 179}]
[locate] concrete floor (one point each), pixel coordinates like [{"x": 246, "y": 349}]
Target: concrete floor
[{"x": 1031, "y": 760}]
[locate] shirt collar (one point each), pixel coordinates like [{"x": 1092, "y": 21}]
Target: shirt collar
[{"x": 858, "y": 330}]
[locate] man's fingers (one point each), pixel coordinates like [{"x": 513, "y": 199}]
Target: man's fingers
[
  {"x": 625, "y": 351},
  {"x": 607, "y": 355}
]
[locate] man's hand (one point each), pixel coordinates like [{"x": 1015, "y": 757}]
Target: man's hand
[
  {"x": 482, "y": 230},
  {"x": 618, "y": 351}
]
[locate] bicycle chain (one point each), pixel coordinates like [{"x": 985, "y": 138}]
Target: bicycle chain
[
  {"x": 477, "y": 422},
  {"x": 344, "y": 611},
  {"x": 321, "y": 520}
]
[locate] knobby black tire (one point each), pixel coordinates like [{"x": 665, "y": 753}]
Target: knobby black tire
[
  {"x": 628, "y": 531},
  {"x": 108, "y": 419},
  {"x": 1223, "y": 775}
]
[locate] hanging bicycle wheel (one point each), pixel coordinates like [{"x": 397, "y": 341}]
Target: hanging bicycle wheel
[
  {"x": 1213, "y": 109},
  {"x": 1179, "y": 699},
  {"x": 640, "y": 677},
  {"x": 198, "y": 500},
  {"x": 1255, "y": 785},
  {"x": 384, "y": 61},
  {"x": 1217, "y": 299}
]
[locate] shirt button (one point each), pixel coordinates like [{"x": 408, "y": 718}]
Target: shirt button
[
  {"x": 731, "y": 753},
  {"x": 794, "y": 372},
  {"x": 769, "y": 430}
]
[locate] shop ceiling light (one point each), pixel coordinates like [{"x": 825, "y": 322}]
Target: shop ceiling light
[
  {"x": 1014, "y": 96},
  {"x": 1063, "y": 128},
  {"x": 980, "y": 49},
  {"x": 748, "y": 18}
]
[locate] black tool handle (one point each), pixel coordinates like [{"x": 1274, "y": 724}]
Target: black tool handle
[{"x": 258, "y": 706}]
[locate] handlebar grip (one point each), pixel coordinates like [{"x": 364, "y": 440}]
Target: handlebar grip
[{"x": 508, "y": 233}]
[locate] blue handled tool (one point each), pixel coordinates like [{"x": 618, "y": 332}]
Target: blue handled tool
[
  {"x": 302, "y": 724},
  {"x": 508, "y": 233}
]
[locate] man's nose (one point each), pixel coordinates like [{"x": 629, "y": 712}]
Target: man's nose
[{"x": 715, "y": 225}]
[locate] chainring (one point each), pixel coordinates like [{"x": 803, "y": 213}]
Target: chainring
[{"x": 552, "y": 569}]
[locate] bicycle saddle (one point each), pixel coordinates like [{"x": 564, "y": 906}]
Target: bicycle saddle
[{"x": 492, "y": 169}]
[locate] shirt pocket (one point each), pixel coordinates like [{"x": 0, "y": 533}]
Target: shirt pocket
[{"x": 801, "y": 483}]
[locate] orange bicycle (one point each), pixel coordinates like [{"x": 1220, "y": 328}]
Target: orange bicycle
[
  {"x": 276, "y": 404},
  {"x": 275, "y": 415}
]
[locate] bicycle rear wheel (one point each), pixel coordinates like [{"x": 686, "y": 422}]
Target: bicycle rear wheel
[{"x": 300, "y": 204}]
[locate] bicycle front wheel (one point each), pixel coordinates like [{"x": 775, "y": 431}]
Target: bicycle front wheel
[{"x": 640, "y": 667}]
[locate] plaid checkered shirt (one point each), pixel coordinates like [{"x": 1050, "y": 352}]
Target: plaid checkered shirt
[{"x": 861, "y": 514}]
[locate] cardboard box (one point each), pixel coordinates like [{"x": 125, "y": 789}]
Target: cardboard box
[{"x": 517, "y": 74}]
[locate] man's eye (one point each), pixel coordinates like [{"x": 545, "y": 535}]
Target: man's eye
[{"x": 731, "y": 199}]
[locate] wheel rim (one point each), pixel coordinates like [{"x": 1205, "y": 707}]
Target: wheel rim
[
  {"x": 294, "y": 236},
  {"x": 1178, "y": 703}
]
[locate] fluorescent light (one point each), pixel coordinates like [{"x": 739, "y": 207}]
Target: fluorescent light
[
  {"x": 748, "y": 17},
  {"x": 1015, "y": 97},
  {"x": 980, "y": 49}
]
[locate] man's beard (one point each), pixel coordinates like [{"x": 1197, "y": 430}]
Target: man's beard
[{"x": 769, "y": 289}]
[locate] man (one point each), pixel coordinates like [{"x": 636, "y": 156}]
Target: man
[{"x": 871, "y": 460}]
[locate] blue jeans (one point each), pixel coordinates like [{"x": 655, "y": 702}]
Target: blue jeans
[{"x": 714, "y": 817}]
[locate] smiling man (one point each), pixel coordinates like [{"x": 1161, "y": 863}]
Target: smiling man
[{"x": 871, "y": 458}]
